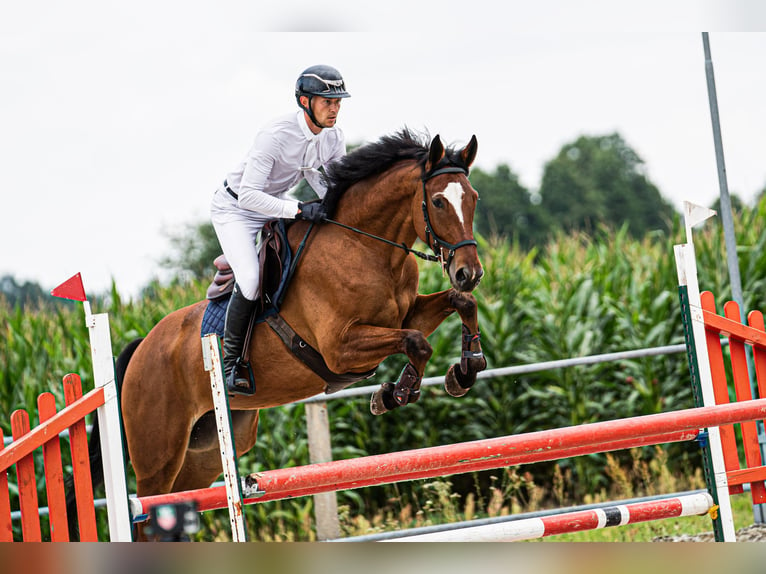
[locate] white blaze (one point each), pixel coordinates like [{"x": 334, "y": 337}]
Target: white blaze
[{"x": 453, "y": 193}]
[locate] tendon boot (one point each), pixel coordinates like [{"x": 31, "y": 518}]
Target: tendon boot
[{"x": 237, "y": 372}]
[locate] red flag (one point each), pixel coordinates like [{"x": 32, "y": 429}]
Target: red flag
[{"x": 70, "y": 289}]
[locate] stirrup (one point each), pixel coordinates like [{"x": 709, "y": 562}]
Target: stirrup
[{"x": 236, "y": 385}]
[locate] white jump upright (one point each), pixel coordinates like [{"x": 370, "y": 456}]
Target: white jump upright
[
  {"x": 110, "y": 427},
  {"x": 109, "y": 420},
  {"x": 211, "y": 354},
  {"x": 686, "y": 265}
]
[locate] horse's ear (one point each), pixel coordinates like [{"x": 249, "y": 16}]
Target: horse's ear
[
  {"x": 435, "y": 153},
  {"x": 468, "y": 153}
]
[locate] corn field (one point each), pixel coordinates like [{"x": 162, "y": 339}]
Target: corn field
[{"x": 580, "y": 295}]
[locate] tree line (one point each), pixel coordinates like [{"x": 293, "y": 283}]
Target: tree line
[{"x": 593, "y": 180}]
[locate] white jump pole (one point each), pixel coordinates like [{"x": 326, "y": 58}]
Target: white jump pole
[{"x": 211, "y": 354}]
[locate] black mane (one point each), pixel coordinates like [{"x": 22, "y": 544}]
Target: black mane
[{"x": 373, "y": 159}]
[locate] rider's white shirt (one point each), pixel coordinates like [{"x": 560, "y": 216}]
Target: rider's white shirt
[{"x": 284, "y": 152}]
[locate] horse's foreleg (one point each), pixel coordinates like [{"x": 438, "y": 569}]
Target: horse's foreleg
[
  {"x": 461, "y": 376},
  {"x": 366, "y": 345},
  {"x": 426, "y": 315},
  {"x": 407, "y": 389}
]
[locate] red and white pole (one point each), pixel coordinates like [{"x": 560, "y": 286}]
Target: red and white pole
[{"x": 529, "y": 528}]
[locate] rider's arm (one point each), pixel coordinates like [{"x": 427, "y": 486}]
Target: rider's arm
[{"x": 260, "y": 162}]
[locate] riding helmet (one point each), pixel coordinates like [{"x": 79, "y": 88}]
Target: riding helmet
[
  {"x": 324, "y": 81},
  {"x": 321, "y": 81}
]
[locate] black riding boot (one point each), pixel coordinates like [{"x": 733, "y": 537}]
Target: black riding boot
[{"x": 238, "y": 375}]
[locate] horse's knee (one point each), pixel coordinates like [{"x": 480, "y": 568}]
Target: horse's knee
[
  {"x": 464, "y": 303},
  {"x": 417, "y": 347}
]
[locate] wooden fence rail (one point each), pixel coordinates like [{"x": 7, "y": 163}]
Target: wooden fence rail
[{"x": 21, "y": 453}]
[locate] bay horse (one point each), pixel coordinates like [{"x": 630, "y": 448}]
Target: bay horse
[{"x": 353, "y": 297}]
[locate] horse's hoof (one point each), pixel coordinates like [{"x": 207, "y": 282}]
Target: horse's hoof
[
  {"x": 376, "y": 404},
  {"x": 456, "y": 383},
  {"x": 382, "y": 400}
]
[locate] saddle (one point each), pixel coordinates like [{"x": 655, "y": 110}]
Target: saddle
[
  {"x": 276, "y": 265},
  {"x": 274, "y": 260}
]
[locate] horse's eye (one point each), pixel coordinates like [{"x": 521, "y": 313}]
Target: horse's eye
[{"x": 437, "y": 203}]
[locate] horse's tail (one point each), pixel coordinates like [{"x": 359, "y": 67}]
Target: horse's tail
[{"x": 94, "y": 445}]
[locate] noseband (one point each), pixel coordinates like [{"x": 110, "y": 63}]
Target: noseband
[{"x": 436, "y": 243}]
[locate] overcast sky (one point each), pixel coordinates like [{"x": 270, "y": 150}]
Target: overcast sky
[{"x": 118, "y": 122}]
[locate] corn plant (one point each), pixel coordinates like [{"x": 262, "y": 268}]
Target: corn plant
[{"x": 577, "y": 295}]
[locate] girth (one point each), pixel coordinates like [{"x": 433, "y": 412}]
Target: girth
[{"x": 311, "y": 357}]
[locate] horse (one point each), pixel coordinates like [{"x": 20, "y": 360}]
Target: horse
[{"x": 353, "y": 297}]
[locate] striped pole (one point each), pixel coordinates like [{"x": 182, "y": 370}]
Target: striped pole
[{"x": 617, "y": 515}]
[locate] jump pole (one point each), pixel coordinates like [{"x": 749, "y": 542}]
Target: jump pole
[
  {"x": 476, "y": 455},
  {"x": 529, "y": 528}
]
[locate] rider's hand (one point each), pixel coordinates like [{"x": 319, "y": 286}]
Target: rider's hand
[{"x": 314, "y": 211}]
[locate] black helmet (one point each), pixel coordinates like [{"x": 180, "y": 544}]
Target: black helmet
[
  {"x": 321, "y": 81},
  {"x": 324, "y": 81}
]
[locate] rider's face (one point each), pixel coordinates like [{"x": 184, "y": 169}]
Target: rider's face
[{"x": 325, "y": 110}]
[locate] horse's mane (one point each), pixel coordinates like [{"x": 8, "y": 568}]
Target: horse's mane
[{"x": 374, "y": 158}]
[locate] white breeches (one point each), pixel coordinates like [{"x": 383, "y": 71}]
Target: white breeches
[{"x": 237, "y": 231}]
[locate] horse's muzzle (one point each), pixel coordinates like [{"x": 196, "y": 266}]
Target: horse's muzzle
[{"x": 466, "y": 277}]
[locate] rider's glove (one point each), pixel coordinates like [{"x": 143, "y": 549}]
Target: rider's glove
[{"x": 313, "y": 211}]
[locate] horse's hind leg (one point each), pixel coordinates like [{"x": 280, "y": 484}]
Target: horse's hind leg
[
  {"x": 155, "y": 469},
  {"x": 161, "y": 480},
  {"x": 202, "y": 464},
  {"x": 368, "y": 344}
]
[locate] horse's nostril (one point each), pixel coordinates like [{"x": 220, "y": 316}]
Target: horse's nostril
[{"x": 464, "y": 279}]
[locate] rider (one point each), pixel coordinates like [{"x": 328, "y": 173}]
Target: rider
[{"x": 288, "y": 149}]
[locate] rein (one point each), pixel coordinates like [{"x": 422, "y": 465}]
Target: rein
[
  {"x": 437, "y": 244},
  {"x": 420, "y": 254}
]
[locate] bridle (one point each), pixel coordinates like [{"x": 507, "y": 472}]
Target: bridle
[{"x": 436, "y": 243}]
